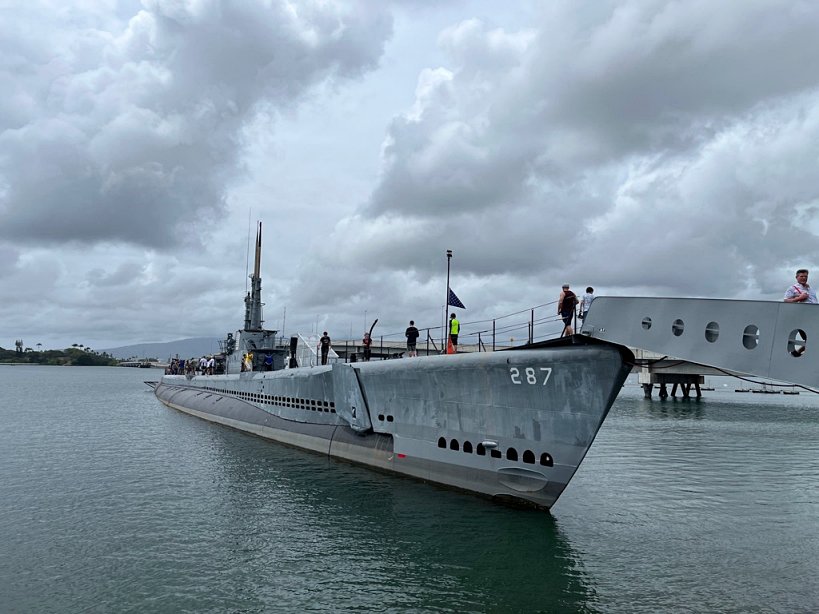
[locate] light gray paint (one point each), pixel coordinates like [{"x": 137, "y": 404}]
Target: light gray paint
[
  {"x": 715, "y": 332},
  {"x": 349, "y": 400}
]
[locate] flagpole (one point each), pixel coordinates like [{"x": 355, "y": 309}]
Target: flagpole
[{"x": 446, "y": 302}]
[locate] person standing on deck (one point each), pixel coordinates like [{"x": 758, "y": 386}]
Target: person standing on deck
[
  {"x": 367, "y": 342},
  {"x": 585, "y": 303},
  {"x": 324, "y": 345},
  {"x": 412, "y": 338},
  {"x": 454, "y": 329},
  {"x": 565, "y": 309},
  {"x": 801, "y": 292}
]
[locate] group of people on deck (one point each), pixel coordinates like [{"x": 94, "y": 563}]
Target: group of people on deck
[
  {"x": 249, "y": 364},
  {"x": 411, "y": 334},
  {"x": 567, "y": 304},
  {"x": 191, "y": 366},
  {"x": 567, "y": 307}
]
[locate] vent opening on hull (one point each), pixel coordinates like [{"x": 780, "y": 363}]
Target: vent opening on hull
[{"x": 511, "y": 454}]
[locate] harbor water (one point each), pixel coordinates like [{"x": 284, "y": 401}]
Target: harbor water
[{"x": 110, "y": 502}]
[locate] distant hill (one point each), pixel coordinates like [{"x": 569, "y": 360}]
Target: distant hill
[{"x": 184, "y": 348}]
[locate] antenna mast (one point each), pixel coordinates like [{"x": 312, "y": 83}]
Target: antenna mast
[{"x": 253, "y": 300}]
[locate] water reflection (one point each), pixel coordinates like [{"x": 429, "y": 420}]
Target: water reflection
[
  {"x": 373, "y": 540},
  {"x": 691, "y": 408}
]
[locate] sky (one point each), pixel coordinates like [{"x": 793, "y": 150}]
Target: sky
[{"x": 643, "y": 147}]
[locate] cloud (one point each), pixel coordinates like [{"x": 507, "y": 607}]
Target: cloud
[
  {"x": 650, "y": 146},
  {"x": 124, "y": 130}
]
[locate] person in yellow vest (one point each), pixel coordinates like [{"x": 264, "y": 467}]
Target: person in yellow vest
[{"x": 454, "y": 329}]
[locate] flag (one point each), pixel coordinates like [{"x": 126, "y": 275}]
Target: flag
[{"x": 454, "y": 300}]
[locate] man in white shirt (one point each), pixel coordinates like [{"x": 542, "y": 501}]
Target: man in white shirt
[
  {"x": 801, "y": 292},
  {"x": 586, "y": 301}
]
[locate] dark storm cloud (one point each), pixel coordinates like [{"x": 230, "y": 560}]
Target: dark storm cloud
[{"x": 127, "y": 131}]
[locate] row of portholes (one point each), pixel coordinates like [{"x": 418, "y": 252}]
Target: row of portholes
[
  {"x": 797, "y": 340},
  {"x": 296, "y": 403},
  {"x": 511, "y": 453}
]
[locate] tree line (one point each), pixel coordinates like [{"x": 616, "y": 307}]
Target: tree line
[{"x": 77, "y": 355}]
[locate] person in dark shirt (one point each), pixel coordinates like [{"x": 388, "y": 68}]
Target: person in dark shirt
[
  {"x": 324, "y": 344},
  {"x": 412, "y": 337},
  {"x": 566, "y": 304}
]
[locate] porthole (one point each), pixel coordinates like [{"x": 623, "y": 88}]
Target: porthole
[
  {"x": 646, "y": 323},
  {"x": 453, "y": 445},
  {"x": 495, "y": 453},
  {"x": 678, "y": 327},
  {"x": 750, "y": 337},
  {"x": 512, "y": 454},
  {"x": 529, "y": 457},
  {"x": 797, "y": 343},
  {"x": 480, "y": 450},
  {"x": 711, "y": 332},
  {"x": 467, "y": 447},
  {"x": 546, "y": 460},
  {"x": 441, "y": 442}
]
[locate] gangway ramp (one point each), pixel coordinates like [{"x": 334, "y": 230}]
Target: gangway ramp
[{"x": 762, "y": 338}]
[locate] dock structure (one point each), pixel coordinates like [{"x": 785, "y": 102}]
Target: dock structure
[
  {"x": 143, "y": 364},
  {"x": 662, "y": 371}
]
